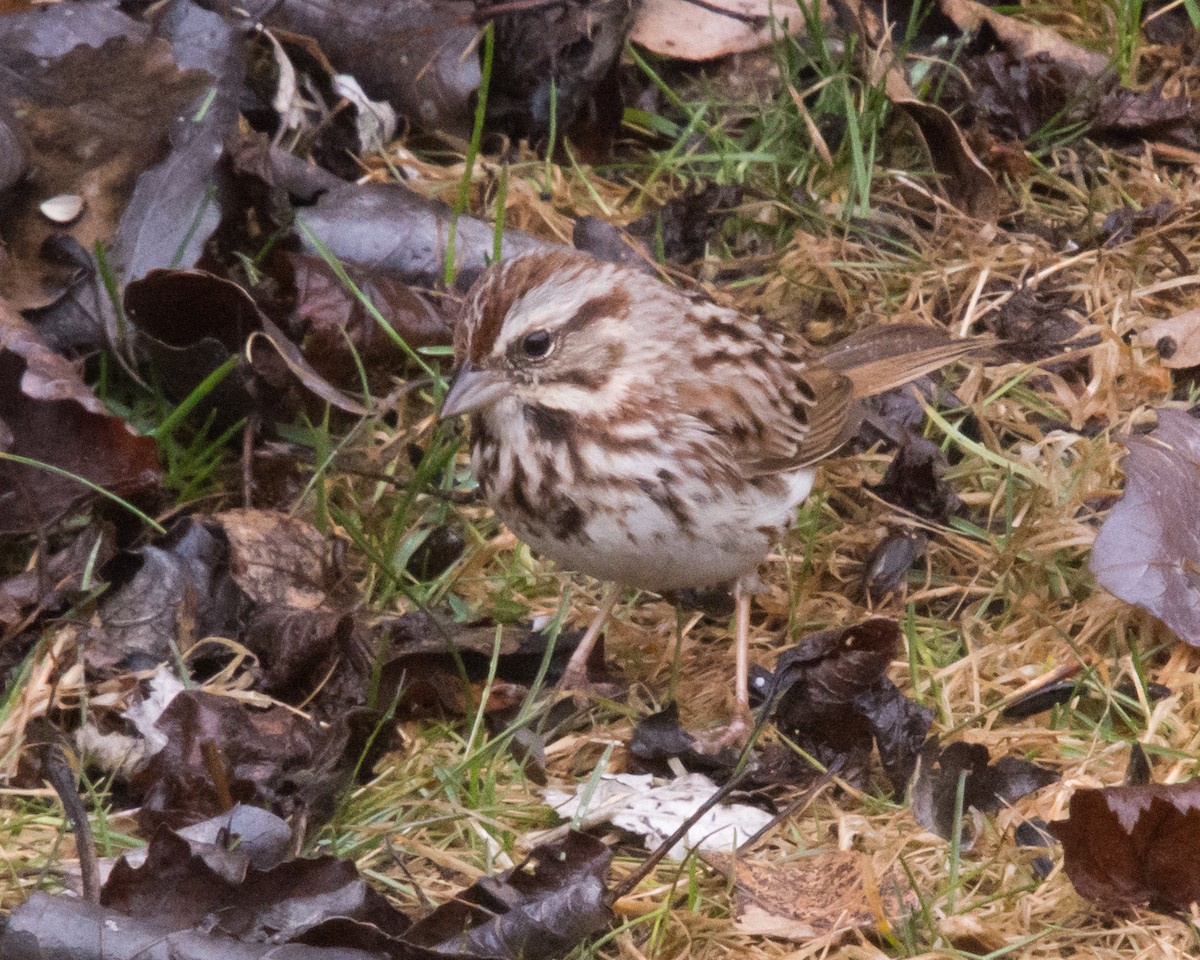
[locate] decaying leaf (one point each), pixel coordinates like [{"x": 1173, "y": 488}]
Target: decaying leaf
[
  {"x": 913, "y": 481},
  {"x": 1125, "y": 847},
  {"x": 419, "y": 55},
  {"x": 539, "y": 910},
  {"x": 47, "y": 414},
  {"x": 277, "y": 559},
  {"x": 819, "y": 895},
  {"x": 968, "y": 183},
  {"x": 166, "y": 597},
  {"x": 336, "y": 331},
  {"x": 1148, "y": 550},
  {"x": 986, "y": 786},
  {"x": 835, "y": 700}
]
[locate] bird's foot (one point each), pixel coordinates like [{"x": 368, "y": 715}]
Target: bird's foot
[
  {"x": 583, "y": 688},
  {"x": 732, "y": 736}
]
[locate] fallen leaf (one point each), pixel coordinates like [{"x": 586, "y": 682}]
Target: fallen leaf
[
  {"x": 835, "y": 700},
  {"x": 913, "y": 481},
  {"x": 53, "y": 580},
  {"x": 818, "y": 895},
  {"x": 48, "y": 414},
  {"x": 887, "y": 567},
  {"x": 1177, "y": 339},
  {"x": 146, "y": 168},
  {"x": 1125, "y": 847},
  {"x": 682, "y": 228},
  {"x": 688, "y": 30},
  {"x": 1148, "y": 549},
  {"x": 164, "y": 597},
  {"x": 539, "y": 910},
  {"x": 219, "y": 752},
  {"x": 276, "y": 559},
  {"x": 968, "y": 184},
  {"x": 419, "y": 55},
  {"x": 661, "y": 738},
  {"x": 986, "y": 785},
  {"x": 337, "y": 333}
]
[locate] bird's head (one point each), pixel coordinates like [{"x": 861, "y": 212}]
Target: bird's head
[{"x": 558, "y": 330}]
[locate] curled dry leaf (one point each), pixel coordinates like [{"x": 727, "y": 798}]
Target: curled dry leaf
[
  {"x": 1125, "y": 847},
  {"x": 1148, "y": 550}
]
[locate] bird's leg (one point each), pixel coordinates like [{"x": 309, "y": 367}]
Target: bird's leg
[
  {"x": 574, "y": 675},
  {"x": 736, "y": 733}
]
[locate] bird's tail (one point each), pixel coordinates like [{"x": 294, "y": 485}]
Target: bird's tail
[{"x": 892, "y": 354}]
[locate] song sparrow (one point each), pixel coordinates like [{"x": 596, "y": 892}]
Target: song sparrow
[{"x": 648, "y": 437}]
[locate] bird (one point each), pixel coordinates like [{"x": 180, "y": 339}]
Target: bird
[{"x": 648, "y": 437}]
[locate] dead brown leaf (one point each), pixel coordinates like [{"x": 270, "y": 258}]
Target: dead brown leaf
[
  {"x": 278, "y": 560},
  {"x": 47, "y": 414},
  {"x": 1125, "y": 847},
  {"x": 1148, "y": 550},
  {"x": 822, "y": 895},
  {"x": 689, "y": 30}
]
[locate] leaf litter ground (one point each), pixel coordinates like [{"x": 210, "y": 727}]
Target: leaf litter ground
[{"x": 998, "y": 613}]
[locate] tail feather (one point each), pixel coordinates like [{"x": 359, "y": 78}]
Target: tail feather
[{"x": 893, "y": 354}]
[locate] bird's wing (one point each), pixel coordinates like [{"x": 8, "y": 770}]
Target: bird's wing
[{"x": 815, "y": 410}]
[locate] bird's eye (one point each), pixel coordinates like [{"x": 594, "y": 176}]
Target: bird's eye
[{"x": 536, "y": 345}]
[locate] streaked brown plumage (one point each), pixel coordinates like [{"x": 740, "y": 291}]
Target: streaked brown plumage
[{"x": 648, "y": 437}]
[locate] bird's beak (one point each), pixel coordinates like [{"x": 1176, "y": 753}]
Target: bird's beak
[{"x": 471, "y": 390}]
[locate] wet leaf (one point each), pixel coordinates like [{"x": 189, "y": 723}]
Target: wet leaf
[
  {"x": 913, "y": 481},
  {"x": 660, "y": 738},
  {"x": 49, "y": 415},
  {"x": 1148, "y": 550},
  {"x": 54, "y": 579},
  {"x": 393, "y": 229},
  {"x": 337, "y": 332},
  {"x": 987, "y": 786},
  {"x": 887, "y": 567},
  {"x": 167, "y": 596},
  {"x": 572, "y": 53},
  {"x": 1125, "y": 847},
  {"x": 220, "y": 751},
  {"x": 681, "y": 229},
  {"x": 418, "y": 55},
  {"x": 835, "y": 700},
  {"x": 144, "y": 167},
  {"x": 541, "y": 909}
]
